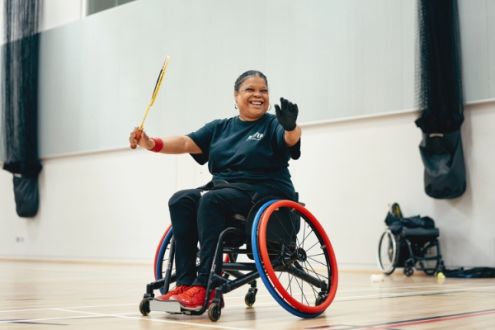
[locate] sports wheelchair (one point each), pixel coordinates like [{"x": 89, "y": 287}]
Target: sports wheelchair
[
  {"x": 292, "y": 255},
  {"x": 409, "y": 243}
]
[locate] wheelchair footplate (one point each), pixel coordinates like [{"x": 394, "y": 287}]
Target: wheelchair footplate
[{"x": 171, "y": 306}]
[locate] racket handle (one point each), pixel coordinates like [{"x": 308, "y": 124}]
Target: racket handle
[{"x": 137, "y": 136}]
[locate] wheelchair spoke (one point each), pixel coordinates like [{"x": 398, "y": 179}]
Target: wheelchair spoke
[
  {"x": 306, "y": 236},
  {"x": 303, "y": 296},
  {"x": 288, "y": 287},
  {"x": 321, "y": 263},
  {"x": 315, "y": 255},
  {"x": 299, "y": 280},
  {"x": 290, "y": 282},
  {"x": 312, "y": 246},
  {"x": 312, "y": 270}
]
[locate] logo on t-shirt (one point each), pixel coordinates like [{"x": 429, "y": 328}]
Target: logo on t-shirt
[{"x": 256, "y": 136}]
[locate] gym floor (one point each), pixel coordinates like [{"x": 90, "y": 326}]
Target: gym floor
[{"x": 85, "y": 295}]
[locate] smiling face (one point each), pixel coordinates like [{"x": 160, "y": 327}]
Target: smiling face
[{"x": 252, "y": 98}]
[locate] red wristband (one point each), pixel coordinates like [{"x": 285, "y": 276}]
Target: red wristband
[{"x": 158, "y": 145}]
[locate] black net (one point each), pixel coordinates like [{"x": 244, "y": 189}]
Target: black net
[
  {"x": 440, "y": 87},
  {"x": 20, "y": 62},
  {"x": 441, "y": 99}
]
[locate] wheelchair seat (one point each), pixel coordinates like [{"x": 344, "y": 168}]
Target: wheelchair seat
[
  {"x": 236, "y": 238},
  {"x": 423, "y": 233}
]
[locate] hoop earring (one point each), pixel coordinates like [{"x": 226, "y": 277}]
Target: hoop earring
[
  {"x": 235, "y": 106},
  {"x": 269, "y": 108}
]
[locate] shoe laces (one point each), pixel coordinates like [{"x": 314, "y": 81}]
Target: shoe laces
[
  {"x": 193, "y": 291},
  {"x": 180, "y": 288}
]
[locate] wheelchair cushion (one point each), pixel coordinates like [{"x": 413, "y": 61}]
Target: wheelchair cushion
[
  {"x": 418, "y": 222},
  {"x": 424, "y": 233},
  {"x": 236, "y": 238},
  {"x": 396, "y": 225}
]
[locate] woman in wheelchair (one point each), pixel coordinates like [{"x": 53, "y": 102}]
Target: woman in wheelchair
[{"x": 247, "y": 154}]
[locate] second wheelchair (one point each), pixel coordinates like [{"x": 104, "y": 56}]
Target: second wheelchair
[{"x": 410, "y": 243}]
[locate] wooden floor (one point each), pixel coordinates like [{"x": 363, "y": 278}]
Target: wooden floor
[{"x": 50, "y": 295}]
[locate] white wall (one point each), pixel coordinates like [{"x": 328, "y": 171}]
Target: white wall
[
  {"x": 113, "y": 205},
  {"x": 97, "y": 74},
  {"x": 61, "y": 12}
]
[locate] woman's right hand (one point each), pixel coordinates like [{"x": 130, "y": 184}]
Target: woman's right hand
[{"x": 139, "y": 138}]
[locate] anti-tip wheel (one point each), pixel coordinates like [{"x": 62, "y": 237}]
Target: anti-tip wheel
[{"x": 214, "y": 312}]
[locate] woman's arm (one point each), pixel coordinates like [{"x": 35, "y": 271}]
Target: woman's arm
[
  {"x": 178, "y": 145},
  {"x": 292, "y": 137},
  {"x": 171, "y": 144}
]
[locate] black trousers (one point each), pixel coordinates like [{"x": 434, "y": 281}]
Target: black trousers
[{"x": 199, "y": 215}]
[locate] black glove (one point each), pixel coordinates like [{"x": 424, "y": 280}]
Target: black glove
[{"x": 287, "y": 114}]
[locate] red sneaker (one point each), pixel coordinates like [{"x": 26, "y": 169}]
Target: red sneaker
[
  {"x": 194, "y": 298},
  {"x": 178, "y": 290}
]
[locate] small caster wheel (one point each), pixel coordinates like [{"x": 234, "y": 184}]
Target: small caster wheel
[
  {"x": 214, "y": 312},
  {"x": 408, "y": 271},
  {"x": 250, "y": 298},
  {"x": 144, "y": 306}
]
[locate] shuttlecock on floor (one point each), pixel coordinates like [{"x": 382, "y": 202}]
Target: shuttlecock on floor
[{"x": 377, "y": 278}]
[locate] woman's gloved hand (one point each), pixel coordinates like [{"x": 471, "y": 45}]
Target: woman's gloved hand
[{"x": 287, "y": 114}]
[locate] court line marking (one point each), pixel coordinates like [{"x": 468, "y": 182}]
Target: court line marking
[
  {"x": 55, "y": 308},
  {"x": 393, "y": 324},
  {"x": 120, "y": 316},
  {"x": 434, "y": 319},
  {"x": 45, "y": 319},
  {"x": 347, "y": 298},
  {"x": 271, "y": 304},
  {"x": 374, "y": 289},
  {"x": 415, "y": 293},
  {"x": 89, "y": 315}
]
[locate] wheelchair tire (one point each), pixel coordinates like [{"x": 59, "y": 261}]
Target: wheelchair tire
[
  {"x": 162, "y": 255},
  {"x": 299, "y": 264},
  {"x": 388, "y": 252},
  {"x": 431, "y": 261}
]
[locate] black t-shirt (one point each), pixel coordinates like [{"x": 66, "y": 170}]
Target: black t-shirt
[{"x": 251, "y": 152}]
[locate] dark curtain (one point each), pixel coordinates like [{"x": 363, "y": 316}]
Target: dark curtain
[
  {"x": 441, "y": 99},
  {"x": 20, "y": 58}
]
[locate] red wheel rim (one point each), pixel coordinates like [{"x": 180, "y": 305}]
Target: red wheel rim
[{"x": 271, "y": 272}]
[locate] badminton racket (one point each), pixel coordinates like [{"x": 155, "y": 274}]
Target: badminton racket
[{"x": 156, "y": 90}]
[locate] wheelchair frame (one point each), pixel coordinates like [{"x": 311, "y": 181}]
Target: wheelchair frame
[{"x": 292, "y": 259}]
